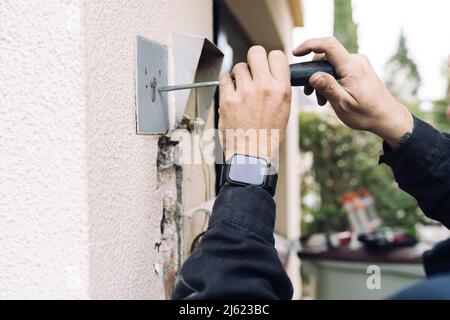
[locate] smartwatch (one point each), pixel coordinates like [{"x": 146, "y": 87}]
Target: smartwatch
[{"x": 244, "y": 170}]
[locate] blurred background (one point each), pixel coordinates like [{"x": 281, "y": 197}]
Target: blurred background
[{"x": 408, "y": 45}]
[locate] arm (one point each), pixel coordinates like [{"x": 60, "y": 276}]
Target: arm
[
  {"x": 237, "y": 258},
  {"x": 422, "y": 164},
  {"x": 422, "y": 168}
]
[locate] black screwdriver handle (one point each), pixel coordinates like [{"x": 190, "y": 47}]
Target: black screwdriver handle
[{"x": 301, "y": 72}]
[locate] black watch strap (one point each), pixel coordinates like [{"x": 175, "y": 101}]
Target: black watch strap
[{"x": 271, "y": 183}]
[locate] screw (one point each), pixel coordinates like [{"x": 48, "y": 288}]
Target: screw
[{"x": 153, "y": 87}]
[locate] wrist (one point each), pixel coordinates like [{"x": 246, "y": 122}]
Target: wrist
[
  {"x": 230, "y": 152},
  {"x": 264, "y": 144},
  {"x": 397, "y": 127},
  {"x": 267, "y": 151}
]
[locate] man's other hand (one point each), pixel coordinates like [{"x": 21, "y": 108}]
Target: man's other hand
[
  {"x": 359, "y": 99},
  {"x": 260, "y": 98}
]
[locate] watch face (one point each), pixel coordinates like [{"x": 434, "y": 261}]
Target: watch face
[{"x": 247, "y": 170}]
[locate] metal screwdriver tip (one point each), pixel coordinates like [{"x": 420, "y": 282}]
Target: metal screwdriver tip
[{"x": 188, "y": 86}]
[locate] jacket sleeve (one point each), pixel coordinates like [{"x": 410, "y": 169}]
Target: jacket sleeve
[
  {"x": 237, "y": 258},
  {"x": 422, "y": 168}
]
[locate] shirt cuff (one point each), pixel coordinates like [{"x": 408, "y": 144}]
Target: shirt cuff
[
  {"x": 416, "y": 154},
  {"x": 249, "y": 207}
]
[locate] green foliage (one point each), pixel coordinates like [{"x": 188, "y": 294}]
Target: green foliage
[
  {"x": 344, "y": 161},
  {"x": 345, "y": 28},
  {"x": 402, "y": 76},
  {"x": 440, "y": 117}
]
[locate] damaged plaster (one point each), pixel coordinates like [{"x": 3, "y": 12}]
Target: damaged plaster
[{"x": 170, "y": 177}]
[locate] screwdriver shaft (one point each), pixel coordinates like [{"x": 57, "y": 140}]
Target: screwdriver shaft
[{"x": 189, "y": 86}]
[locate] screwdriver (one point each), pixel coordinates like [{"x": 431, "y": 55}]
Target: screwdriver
[{"x": 300, "y": 74}]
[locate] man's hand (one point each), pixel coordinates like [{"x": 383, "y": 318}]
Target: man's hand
[
  {"x": 360, "y": 99},
  {"x": 259, "y": 99}
]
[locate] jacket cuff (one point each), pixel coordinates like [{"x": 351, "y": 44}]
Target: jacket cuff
[
  {"x": 437, "y": 260},
  {"x": 248, "y": 207},
  {"x": 416, "y": 154}
]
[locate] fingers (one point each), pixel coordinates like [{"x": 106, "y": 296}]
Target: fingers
[
  {"x": 279, "y": 66},
  {"x": 226, "y": 86},
  {"x": 327, "y": 88},
  {"x": 258, "y": 63},
  {"x": 308, "y": 90},
  {"x": 241, "y": 73},
  {"x": 321, "y": 100},
  {"x": 331, "y": 47}
]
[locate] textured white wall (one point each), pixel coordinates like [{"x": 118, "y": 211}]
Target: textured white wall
[
  {"x": 125, "y": 207},
  {"x": 79, "y": 207},
  {"x": 43, "y": 177}
]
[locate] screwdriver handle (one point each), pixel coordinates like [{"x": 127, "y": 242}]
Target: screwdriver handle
[{"x": 301, "y": 72}]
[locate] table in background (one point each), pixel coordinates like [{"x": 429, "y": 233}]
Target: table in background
[{"x": 342, "y": 273}]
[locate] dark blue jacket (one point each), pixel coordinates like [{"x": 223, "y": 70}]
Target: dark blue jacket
[{"x": 237, "y": 258}]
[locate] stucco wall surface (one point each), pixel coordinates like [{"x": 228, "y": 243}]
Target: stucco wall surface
[
  {"x": 80, "y": 208},
  {"x": 43, "y": 177},
  {"x": 125, "y": 205}
]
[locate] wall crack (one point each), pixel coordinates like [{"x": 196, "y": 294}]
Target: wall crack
[{"x": 170, "y": 178}]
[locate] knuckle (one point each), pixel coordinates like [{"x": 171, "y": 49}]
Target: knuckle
[
  {"x": 287, "y": 93},
  {"x": 225, "y": 106},
  {"x": 364, "y": 60},
  {"x": 223, "y": 77},
  {"x": 333, "y": 40},
  {"x": 246, "y": 92},
  {"x": 283, "y": 92},
  {"x": 265, "y": 89},
  {"x": 235, "y": 100},
  {"x": 358, "y": 63},
  {"x": 329, "y": 88},
  {"x": 332, "y": 43},
  {"x": 227, "y": 100}
]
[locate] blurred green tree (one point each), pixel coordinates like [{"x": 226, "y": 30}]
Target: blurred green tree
[
  {"x": 345, "y": 29},
  {"x": 344, "y": 161},
  {"x": 441, "y": 110},
  {"x": 402, "y": 76}
]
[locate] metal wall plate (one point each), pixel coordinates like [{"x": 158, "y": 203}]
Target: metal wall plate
[{"x": 151, "y": 73}]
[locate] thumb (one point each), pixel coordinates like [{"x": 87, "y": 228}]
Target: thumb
[{"x": 327, "y": 86}]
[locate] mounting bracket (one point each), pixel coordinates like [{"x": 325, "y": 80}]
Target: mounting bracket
[
  {"x": 151, "y": 73},
  {"x": 194, "y": 59}
]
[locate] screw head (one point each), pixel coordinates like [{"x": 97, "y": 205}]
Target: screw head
[{"x": 153, "y": 85}]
